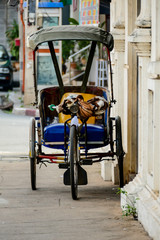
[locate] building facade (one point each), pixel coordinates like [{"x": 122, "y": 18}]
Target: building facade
[
  {"x": 136, "y": 68},
  {"x": 36, "y": 15}
]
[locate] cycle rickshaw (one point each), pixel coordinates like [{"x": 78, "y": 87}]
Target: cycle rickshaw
[{"x": 83, "y": 113}]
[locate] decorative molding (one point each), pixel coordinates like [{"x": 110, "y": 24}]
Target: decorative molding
[
  {"x": 119, "y": 40},
  {"x": 119, "y": 24},
  {"x": 141, "y": 40}
]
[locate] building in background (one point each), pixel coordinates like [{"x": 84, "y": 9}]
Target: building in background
[
  {"x": 91, "y": 12},
  {"x": 37, "y": 15}
]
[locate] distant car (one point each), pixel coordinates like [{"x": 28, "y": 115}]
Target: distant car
[{"x": 6, "y": 70}]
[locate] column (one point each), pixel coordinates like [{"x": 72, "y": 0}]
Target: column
[
  {"x": 144, "y": 18},
  {"x": 119, "y": 21},
  {"x": 153, "y": 179},
  {"x": 118, "y": 32},
  {"x": 140, "y": 39}
]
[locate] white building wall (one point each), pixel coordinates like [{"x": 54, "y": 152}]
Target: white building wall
[{"x": 141, "y": 66}]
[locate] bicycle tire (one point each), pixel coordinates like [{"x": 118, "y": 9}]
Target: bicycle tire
[
  {"x": 73, "y": 158},
  {"x": 119, "y": 150},
  {"x": 32, "y": 154}
]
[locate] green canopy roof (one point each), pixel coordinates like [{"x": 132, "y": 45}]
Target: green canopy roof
[{"x": 69, "y": 32}]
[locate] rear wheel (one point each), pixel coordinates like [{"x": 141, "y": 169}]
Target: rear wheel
[
  {"x": 111, "y": 135},
  {"x": 73, "y": 158},
  {"x": 119, "y": 150},
  {"x": 32, "y": 154}
]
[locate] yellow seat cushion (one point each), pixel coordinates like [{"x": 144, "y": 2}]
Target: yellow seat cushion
[{"x": 86, "y": 96}]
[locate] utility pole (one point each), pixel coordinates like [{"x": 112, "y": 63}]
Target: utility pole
[{"x": 23, "y": 25}]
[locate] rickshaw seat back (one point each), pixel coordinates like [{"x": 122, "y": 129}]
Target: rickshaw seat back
[{"x": 86, "y": 96}]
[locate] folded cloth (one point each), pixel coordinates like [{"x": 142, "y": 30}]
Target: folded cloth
[{"x": 94, "y": 106}]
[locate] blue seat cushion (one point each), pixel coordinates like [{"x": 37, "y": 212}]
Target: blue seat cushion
[{"x": 54, "y": 136}]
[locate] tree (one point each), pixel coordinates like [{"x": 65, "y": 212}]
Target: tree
[{"x": 12, "y": 33}]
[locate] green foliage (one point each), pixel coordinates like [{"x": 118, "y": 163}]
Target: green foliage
[
  {"x": 129, "y": 209},
  {"x": 120, "y": 190},
  {"x": 102, "y": 24},
  {"x": 68, "y": 45},
  {"x": 83, "y": 44},
  {"x": 67, "y": 49},
  {"x": 12, "y": 33}
]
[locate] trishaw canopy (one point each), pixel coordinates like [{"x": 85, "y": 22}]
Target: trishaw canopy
[{"x": 70, "y": 32}]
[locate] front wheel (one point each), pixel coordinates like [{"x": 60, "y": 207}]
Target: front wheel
[
  {"x": 73, "y": 159},
  {"x": 32, "y": 154}
]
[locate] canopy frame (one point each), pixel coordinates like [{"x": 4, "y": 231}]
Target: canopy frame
[{"x": 71, "y": 33}]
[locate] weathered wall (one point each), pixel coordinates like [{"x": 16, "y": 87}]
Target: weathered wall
[{"x": 136, "y": 62}]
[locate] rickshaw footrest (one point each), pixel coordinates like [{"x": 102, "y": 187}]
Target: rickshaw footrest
[{"x": 82, "y": 176}]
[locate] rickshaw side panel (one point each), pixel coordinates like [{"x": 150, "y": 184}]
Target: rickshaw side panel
[{"x": 47, "y": 97}]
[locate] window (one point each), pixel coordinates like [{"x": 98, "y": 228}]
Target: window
[{"x": 45, "y": 70}]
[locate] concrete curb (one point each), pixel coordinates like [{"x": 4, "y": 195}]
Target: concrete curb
[
  {"x": 26, "y": 112},
  {"x": 18, "y": 109}
]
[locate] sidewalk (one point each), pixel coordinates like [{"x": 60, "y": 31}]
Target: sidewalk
[
  {"x": 19, "y": 109},
  {"x": 49, "y": 212}
]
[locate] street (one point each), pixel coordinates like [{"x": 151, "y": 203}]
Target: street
[
  {"x": 49, "y": 212},
  {"x": 14, "y": 134}
]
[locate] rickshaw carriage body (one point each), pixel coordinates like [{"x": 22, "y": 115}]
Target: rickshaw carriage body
[
  {"x": 53, "y": 133},
  {"x": 75, "y": 137}
]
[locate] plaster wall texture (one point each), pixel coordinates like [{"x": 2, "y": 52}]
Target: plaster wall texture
[{"x": 139, "y": 104}]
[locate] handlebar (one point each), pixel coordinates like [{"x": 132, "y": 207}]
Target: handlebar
[{"x": 52, "y": 107}]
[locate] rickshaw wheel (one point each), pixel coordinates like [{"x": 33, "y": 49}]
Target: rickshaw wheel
[
  {"x": 73, "y": 158},
  {"x": 119, "y": 149},
  {"x": 111, "y": 135},
  {"x": 32, "y": 154}
]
